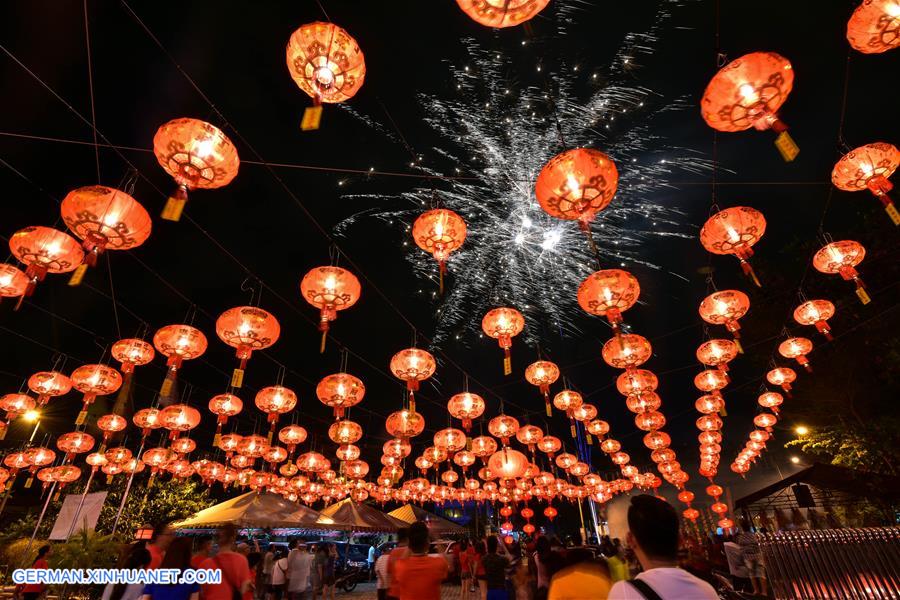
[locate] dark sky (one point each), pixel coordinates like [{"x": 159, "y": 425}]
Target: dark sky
[{"x": 255, "y": 227}]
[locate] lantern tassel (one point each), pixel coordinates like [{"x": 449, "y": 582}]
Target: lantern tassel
[
  {"x": 749, "y": 272},
  {"x": 78, "y": 274},
  {"x": 442, "y": 266},
  {"x": 175, "y": 204},
  {"x": 861, "y": 293},
  {"x": 507, "y": 362},
  {"x": 324, "y": 337}
]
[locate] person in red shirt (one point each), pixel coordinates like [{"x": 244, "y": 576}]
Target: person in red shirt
[
  {"x": 419, "y": 576},
  {"x": 466, "y": 562},
  {"x": 163, "y": 534},
  {"x": 398, "y": 553},
  {"x": 204, "y": 545},
  {"x": 32, "y": 591},
  {"x": 236, "y": 575}
]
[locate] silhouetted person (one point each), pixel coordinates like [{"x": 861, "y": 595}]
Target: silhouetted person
[{"x": 419, "y": 576}]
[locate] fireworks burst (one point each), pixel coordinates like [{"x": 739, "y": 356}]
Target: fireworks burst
[{"x": 498, "y": 138}]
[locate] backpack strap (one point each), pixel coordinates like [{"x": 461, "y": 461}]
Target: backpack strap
[{"x": 644, "y": 589}]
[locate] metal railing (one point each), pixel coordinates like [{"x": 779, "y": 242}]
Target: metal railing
[{"x": 821, "y": 564}]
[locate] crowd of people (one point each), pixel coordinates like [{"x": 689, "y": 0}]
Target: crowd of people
[{"x": 646, "y": 567}]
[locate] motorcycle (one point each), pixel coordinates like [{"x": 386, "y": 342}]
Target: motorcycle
[{"x": 349, "y": 576}]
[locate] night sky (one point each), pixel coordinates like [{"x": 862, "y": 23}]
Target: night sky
[{"x": 264, "y": 230}]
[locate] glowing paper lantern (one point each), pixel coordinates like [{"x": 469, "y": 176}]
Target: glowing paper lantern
[
  {"x": 49, "y": 384},
  {"x": 711, "y": 380},
  {"x": 404, "y": 424},
  {"x": 797, "y": 348},
  {"x": 329, "y": 289},
  {"x": 105, "y": 219},
  {"x": 541, "y": 374},
  {"x": 483, "y": 446},
  {"x": 503, "y": 427},
  {"x": 224, "y": 406},
  {"x": 725, "y": 308},
  {"x": 197, "y": 155},
  {"x": 576, "y": 185},
  {"x": 325, "y": 62},
  {"x": 770, "y": 400},
  {"x": 734, "y": 231},
  {"x": 636, "y": 381},
  {"x": 179, "y": 418},
  {"x": 246, "y": 328},
  {"x": 15, "y": 405},
  {"x": 626, "y": 351},
  {"x": 44, "y": 250},
  {"x": 93, "y": 381},
  {"x": 74, "y": 442},
  {"x": 450, "y": 439},
  {"x": 503, "y": 324},
  {"x": 413, "y": 365},
  {"x": 874, "y": 26},
  {"x": 502, "y": 13},
  {"x": 178, "y": 343},
  {"x": 292, "y": 436},
  {"x": 132, "y": 352},
  {"x": 466, "y": 406},
  {"x": 110, "y": 424},
  {"x": 549, "y": 445},
  {"x": 608, "y": 293},
  {"x": 747, "y": 92},
  {"x": 340, "y": 391},
  {"x": 13, "y": 281},
  {"x": 782, "y": 376},
  {"x": 841, "y": 258},
  {"x": 508, "y": 463},
  {"x": 147, "y": 419},
  {"x": 275, "y": 400},
  {"x": 439, "y": 232},
  {"x": 816, "y": 312},
  {"x": 717, "y": 353},
  {"x": 345, "y": 432},
  {"x": 870, "y": 166}
]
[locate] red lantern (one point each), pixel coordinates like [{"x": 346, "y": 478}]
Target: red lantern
[
  {"x": 503, "y": 324},
  {"x": 405, "y": 424},
  {"x": 132, "y": 353},
  {"x": 770, "y": 400},
  {"x": 450, "y": 439},
  {"x": 626, "y": 351},
  {"x": 608, "y": 293},
  {"x": 636, "y": 381},
  {"x": 816, "y": 312},
  {"x": 529, "y": 435},
  {"x": 49, "y": 384},
  {"x": 782, "y": 376},
  {"x": 508, "y": 463},
  {"x": 44, "y": 250},
  {"x": 74, "y": 442},
  {"x": 466, "y": 406},
  {"x": 15, "y": 405},
  {"x": 179, "y": 418},
  {"x": 325, "y": 62},
  {"x": 197, "y": 155},
  {"x": 13, "y": 281},
  {"x": 147, "y": 419},
  {"x": 93, "y": 381},
  {"x": 224, "y": 406},
  {"x": 541, "y": 374},
  {"x": 872, "y": 28},
  {"x": 412, "y": 366},
  {"x": 869, "y": 167},
  {"x": 178, "y": 343},
  {"x": 292, "y": 436},
  {"x": 502, "y": 13},
  {"x": 725, "y": 308},
  {"x": 275, "y": 400},
  {"x": 549, "y": 445},
  {"x": 576, "y": 185},
  {"x": 797, "y": 348},
  {"x": 841, "y": 258},
  {"x": 503, "y": 427},
  {"x": 711, "y": 380},
  {"x": 709, "y": 404},
  {"x": 734, "y": 231},
  {"x": 345, "y": 432},
  {"x": 110, "y": 424},
  {"x": 247, "y": 328},
  {"x": 483, "y": 446},
  {"x": 747, "y": 92},
  {"x": 439, "y": 232},
  {"x": 183, "y": 445},
  {"x": 656, "y": 440},
  {"x": 765, "y": 421},
  {"x": 598, "y": 427},
  {"x": 550, "y": 512},
  {"x": 643, "y": 402},
  {"x": 106, "y": 219},
  {"x": 340, "y": 391},
  {"x": 329, "y": 289},
  {"x": 717, "y": 353}
]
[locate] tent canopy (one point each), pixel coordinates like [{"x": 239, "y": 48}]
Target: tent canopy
[
  {"x": 436, "y": 524},
  {"x": 265, "y": 509},
  {"x": 361, "y": 517}
]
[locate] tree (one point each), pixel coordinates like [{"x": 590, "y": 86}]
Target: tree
[
  {"x": 867, "y": 446},
  {"x": 151, "y": 502}
]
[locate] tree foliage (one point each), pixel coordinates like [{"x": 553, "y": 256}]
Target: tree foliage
[{"x": 867, "y": 446}]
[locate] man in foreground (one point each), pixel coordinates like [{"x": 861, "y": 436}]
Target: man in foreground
[
  {"x": 419, "y": 576},
  {"x": 653, "y": 534}
]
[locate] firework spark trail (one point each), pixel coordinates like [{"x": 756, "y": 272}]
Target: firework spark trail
[{"x": 515, "y": 254}]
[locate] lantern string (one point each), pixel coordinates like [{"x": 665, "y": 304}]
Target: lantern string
[
  {"x": 90, "y": 70},
  {"x": 112, "y": 294}
]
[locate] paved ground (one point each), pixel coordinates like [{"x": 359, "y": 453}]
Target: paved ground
[{"x": 366, "y": 591}]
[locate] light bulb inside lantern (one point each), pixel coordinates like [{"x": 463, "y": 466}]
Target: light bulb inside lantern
[
  {"x": 324, "y": 77},
  {"x": 5, "y": 279},
  {"x": 52, "y": 249},
  {"x": 204, "y": 148},
  {"x": 748, "y": 92},
  {"x": 892, "y": 9},
  {"x": 574, "y": 186}
]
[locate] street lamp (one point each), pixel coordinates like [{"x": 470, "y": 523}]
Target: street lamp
[
  {"x": 795, "y": 460},
  {"x": 801, "y": 430},
  {"x": 31, "y": 415}
]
